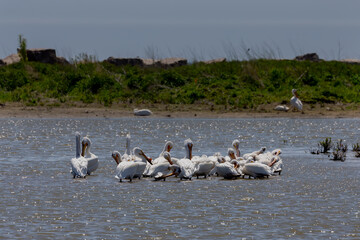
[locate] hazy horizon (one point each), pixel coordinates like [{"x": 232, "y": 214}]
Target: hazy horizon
[{"x": 199, "y": 29}]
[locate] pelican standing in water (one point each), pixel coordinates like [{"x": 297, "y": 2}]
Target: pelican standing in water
[
  {"x": 93, "y": 161},
  {"x": 295, "y": 101},
  {"x": 142, "y": 160},
  {"x": 124, "y": 169},
  {"x": 79, "y": 165},
  {"x": 187, "y": 167},
  {"x": 161, "y": 159}
]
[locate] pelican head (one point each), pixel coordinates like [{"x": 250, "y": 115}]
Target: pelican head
[
  {"x": 231, "y": 153},
  {"x": 86, "y": 144},
  {"x": 294, "y": 92},
  {"x": 276, "y": 152},
  {"x": 139, "y": 153},
  {"x": 168, "y": 146},
  {"x": 235, "y": 163},
  {"x": 188, "y": 147},
  {"x": 167, "y": 156},
  {"x": 221, "y": 159},
  {"x": 236, "y": 145},
  {"x": 116, "y": 156},
  {"x": 262, "y": 150},
  {"x": 176, "y": 170}
]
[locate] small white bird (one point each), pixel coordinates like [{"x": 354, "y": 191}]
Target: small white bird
[
  {"x": 79, "y": 164},
  {"x": 295, "y": 101}
]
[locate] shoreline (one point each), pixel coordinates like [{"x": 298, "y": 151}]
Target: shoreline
[{"x": 18, "y": 110}]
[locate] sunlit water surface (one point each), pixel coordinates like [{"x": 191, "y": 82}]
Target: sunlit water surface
[{"x": 313, "y": 198}]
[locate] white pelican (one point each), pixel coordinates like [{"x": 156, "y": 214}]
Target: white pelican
[
  {"x": 124, "y": 169},
  {"x": 79, "y": 164},
  {"x": 250, "y": 156},
  {"x": 142, "y": 160},
  {"x": 187, "y": 167},
  {"x": 161, "y": 169},
  {"x": 142, "y": 112},
  {"x": 226, "y": 169},
  {"x": 93, "y": 161},
  {"x": 256, "y": 169},
  {"x": 203, "y": 164},
  {"x": 295, "y": 101},
  {"x": 266, "y": 158},
  {"x": 167, "y": 148},
  {"x": 236, "y": 145}
]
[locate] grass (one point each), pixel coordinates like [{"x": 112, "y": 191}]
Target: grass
[{"x": 234, "y": 85}]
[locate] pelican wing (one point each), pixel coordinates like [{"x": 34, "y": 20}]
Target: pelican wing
[{"x": 79, "y": 166}]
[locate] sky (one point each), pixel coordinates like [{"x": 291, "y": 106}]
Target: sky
[{"x": 192, "y": 29}]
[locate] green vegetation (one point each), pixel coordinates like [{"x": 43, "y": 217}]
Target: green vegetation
[
  {"x": 325, "y": 145},
  {"x": 22, "y": 48},
  {"x": 339, "y": 153},
  {"x": 235, "y": 85}
]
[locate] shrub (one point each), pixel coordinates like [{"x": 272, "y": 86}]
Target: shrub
[
  {"x": 356, "y": 147},
  {"x": 325, "y": 145},
  {"x": 339, "y": 153}
]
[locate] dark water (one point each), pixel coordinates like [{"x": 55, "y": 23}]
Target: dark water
[{"x": 314, "y": 198}]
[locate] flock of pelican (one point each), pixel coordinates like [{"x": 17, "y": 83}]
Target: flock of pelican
[{"x": 136, "y": 164}]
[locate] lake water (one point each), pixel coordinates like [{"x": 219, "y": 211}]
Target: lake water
[{"x": 313, "y": 198}]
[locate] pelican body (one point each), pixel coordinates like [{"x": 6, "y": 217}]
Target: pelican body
[
  {"x": 93, "y": 160},
  {"x": 79, "y": 165},
  {"x": 295, "y": 101},
  {"x": 124, "y": 169}
]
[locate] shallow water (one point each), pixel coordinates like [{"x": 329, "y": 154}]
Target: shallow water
[{"x": 313, "y": 198}]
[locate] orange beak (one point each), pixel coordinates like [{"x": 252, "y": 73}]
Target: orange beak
[
  {"x": 116, "y": 158},
  {"x": 147, "y": 158},
  {"x": 83, "y": 149},
  {"x": 190, "y": 149}
]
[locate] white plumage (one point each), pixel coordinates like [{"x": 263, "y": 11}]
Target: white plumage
[
  {"x": 79, "y": 164},
  {"x": 142, "y": 112},
  {"x": 187, "y": 167},
  {"x": 295, "y": 101},
  {"x": 92, "y": 159},
  {"x": 124, "y": 169}
]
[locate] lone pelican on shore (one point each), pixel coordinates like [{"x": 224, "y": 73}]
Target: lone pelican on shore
[{"x": 295, "y": 101}]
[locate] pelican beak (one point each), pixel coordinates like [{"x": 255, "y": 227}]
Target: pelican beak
[
  {"x": 232, "y": 156},
  {"x": 147, "y": 158},
  {"x": 190, "y": 150},
  {"x": 116, "y": 158},
  {"x": 84, "y": 145},
  {"x": 273, "y": 162},
  {"x": 168, "y": 148}
]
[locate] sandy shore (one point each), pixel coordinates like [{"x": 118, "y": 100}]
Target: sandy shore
[{"x": 17, "y": 110}]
